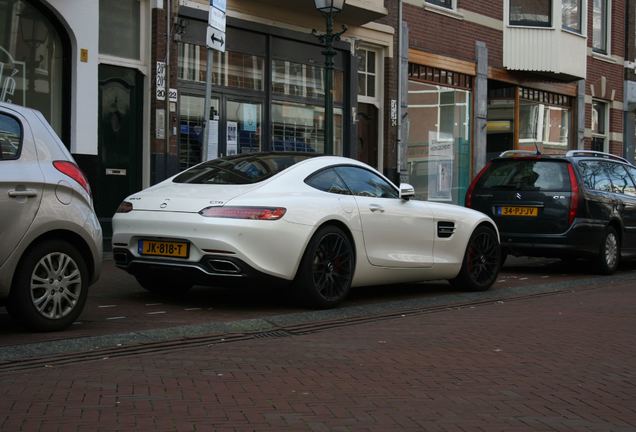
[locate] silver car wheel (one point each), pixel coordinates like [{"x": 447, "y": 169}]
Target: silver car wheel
[
  {"x": 56, "y": 284},
  {"x": 611, "y": 250}
]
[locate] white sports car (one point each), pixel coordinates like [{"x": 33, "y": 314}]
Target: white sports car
[{"x": 322, "y": 223}]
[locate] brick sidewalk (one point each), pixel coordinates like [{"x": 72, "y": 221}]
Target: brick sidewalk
[{"x": 556, "y": 363}]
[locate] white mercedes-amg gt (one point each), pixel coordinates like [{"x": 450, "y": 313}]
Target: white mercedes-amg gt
[{"x": 320, "y": 223}]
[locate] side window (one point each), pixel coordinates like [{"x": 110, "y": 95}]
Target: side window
[
  {"x": 631, "y": 187},
  {"x": 328, "y": 181},
  {"x": 620, "y": 178},
  {"x": 10, "y": 137},
  {"x": 594, "y": 176},
  {"x": 366, "y": 183}
]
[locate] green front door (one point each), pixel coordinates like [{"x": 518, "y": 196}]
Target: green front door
[{"x": 120, "y": 140}]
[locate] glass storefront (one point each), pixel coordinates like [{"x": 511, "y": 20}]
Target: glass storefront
[
  {"x": 438, "y": 141},
  {"x": 247, "y": 78},
  {"x": 31, "y": 61}
]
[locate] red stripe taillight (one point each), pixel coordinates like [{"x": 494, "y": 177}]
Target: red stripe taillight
[
  {"x": 73, "y": 171},
  {"x": 256, "y": 213},
  {"x": 469, "y": 193},
  {"x": 574, "y": 195}
]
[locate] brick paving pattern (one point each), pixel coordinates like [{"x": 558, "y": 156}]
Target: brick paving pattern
[{"x": 555, "y": 363}]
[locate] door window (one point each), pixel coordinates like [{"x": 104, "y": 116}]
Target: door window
[
  {"x": 594, "y": 176},
  {"x": 362, "y": 182},
  {"x": 621, "y": 182},
  {"x": 10, "y": 137},
  {"x": 631, "y": 189}
]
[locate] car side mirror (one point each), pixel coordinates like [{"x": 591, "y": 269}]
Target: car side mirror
[{"x": 406, "y": 191}]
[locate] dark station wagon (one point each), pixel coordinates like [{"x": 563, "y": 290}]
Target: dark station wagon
[{"x": 580, "y": 205}]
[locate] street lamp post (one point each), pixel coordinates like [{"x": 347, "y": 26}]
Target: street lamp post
[{"x": 329, "y": 8}]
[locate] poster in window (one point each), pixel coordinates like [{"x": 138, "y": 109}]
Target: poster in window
[
  {"x": 232, "y": 143},
  {"x": 440, "y": 169},
  {"x": 213, "y": 140},
  {"x": 249, "y": 117}
]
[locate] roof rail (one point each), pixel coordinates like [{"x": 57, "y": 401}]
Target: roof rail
[
  {"x": 513, "y": 153},
  {"x": 596, "y": 154}
]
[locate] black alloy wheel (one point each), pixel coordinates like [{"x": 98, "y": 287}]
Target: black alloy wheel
[
  {"x": 482, "y": 261},
  {"x": 326, "y": 270}
]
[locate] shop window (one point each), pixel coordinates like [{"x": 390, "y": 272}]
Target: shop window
[
  {"x": 119, "y": 28},
  {"x": 600, "y": 26},
  {"x": 571, "y": 11},
  {"x": 533, "y": 13},
  {"x": 303, "y": 81},
  {"x": 229, "y": 69},
  {"x": 300, "y": 127},
  {"x": 191, "y": 129},
  {"x": 438, "y": 152},
  {"x": 600, "y": 123},
  {"x": 366, "y": 72},
  {"x": 542, "y": 125},
  {"x": 31, "y": 61}
]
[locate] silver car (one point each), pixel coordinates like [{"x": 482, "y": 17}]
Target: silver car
[{"x": 50, "y": 238}]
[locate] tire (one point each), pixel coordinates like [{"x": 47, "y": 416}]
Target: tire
[
  {"x": 481, "y": 263},
  {"x": 326, "y": 269},
  {"x": 164, "y": 283},
  {"x": 609, "y": 252},
  {"x": 50, "y": 287}
]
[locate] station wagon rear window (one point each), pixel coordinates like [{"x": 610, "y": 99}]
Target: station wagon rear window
[
  {"x": 527, "y": 175},
  {"x": 242, "y": 169}
]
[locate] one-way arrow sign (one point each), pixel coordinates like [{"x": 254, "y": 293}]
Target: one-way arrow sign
[{"x": 215, "y": 39}]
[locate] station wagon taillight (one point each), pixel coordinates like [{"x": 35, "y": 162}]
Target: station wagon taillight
[
  {"x": 469, "y": 193},
  {"x": 574, "y": 195},
  {"x": 70, "y": 169}
]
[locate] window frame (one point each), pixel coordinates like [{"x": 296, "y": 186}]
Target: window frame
[
  {"x": 365, "y": 98},
  {"x": 605, "y": 51},
  {"x": 548, "y": 25},
  {"x": 140, "y": 63},
  {"x": 435, "y": 4},
  {"x": 21, "y": 141},
  {"x": 606, "y": 133},
  {"x": 581, "y": 6}
]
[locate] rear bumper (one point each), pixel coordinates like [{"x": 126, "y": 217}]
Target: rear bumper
[
  {"x": 209, "y": 270},
  {"x": 581, "y": 240}
]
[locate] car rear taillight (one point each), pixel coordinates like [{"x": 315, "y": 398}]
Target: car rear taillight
[
  {"x": 124, "y": 207},
  {"x": 256, "y": 213},
  {"x": 574, "y": 195},
  {"x": 73, "y": 171},
  {"x": 469, "y": 193}
]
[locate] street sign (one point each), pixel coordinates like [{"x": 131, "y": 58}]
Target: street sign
[
  {"x": 215, "y": 39},
  {"x": 216, "y": 19},
  {"x": 219, "y": 4},
  {"x": 160, "y": 81}
]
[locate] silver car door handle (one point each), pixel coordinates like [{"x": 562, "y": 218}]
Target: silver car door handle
[
  {"x": 22, "y": 193},
  {"x": 376, "y": 208}
]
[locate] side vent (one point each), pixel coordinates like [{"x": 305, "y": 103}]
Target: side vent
[{"x": 445, "y": 229}]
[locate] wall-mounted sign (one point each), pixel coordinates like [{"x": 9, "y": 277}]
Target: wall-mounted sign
[
  {"x": 84, "y": 55},
  {"x": 215, "y": 39},
  {"x": 160, "y": 81},
  {"x": 173, "y": 95},
  {"x": 232, "y": 138},
  {"x": 216, "y": 19}
]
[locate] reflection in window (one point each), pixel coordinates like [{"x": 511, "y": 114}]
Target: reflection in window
[
  {"x": 119, "y": 28},
  {"x": 444, "y": 3},
  {"x": 304, "y": 81},
  {"x": 543, "y": 126},
  {"x": 535, "y": 13},
  {"x": 246, "y": 118},
  {"x": 300, "y": 127},
  {"x": 191, "y": 129},
  {"x": 600, "y": 26},
  {"x": 594, "y": 176},
  {"x": 328, "y": 181},
  {"x": 600, "y": 121},
  {"x": 362, "y": 182},
  {"x": 571, "y": 15},
  {"x": 229, "y": 69},
  {"x": 10, "y": 137},
  {"x": 31, "y": 58}
]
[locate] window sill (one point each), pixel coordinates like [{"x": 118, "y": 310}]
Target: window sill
[
  {"x": 452, "y": 13},
  {"x": 604, "y": 57},
  {"x": 574, "y": 33},
  {"x": 528, "y": 27}
]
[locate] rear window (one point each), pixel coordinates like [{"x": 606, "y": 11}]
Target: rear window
[
  {"x": 242, "y": 169},
  {"x": 527, "y": 175}
]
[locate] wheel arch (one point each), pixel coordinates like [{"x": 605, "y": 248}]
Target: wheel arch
[{"x": 64, "y": 235}]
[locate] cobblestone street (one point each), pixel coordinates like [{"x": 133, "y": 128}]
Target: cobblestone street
[{"x": 556, "y": 362}]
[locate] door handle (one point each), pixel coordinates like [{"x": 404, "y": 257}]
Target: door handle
[
  {"x": 28, "y": 193},
  {"x": 376, "y": 208}
]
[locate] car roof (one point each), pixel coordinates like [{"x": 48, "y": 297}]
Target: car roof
[{"x": 568, "y": 156}]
